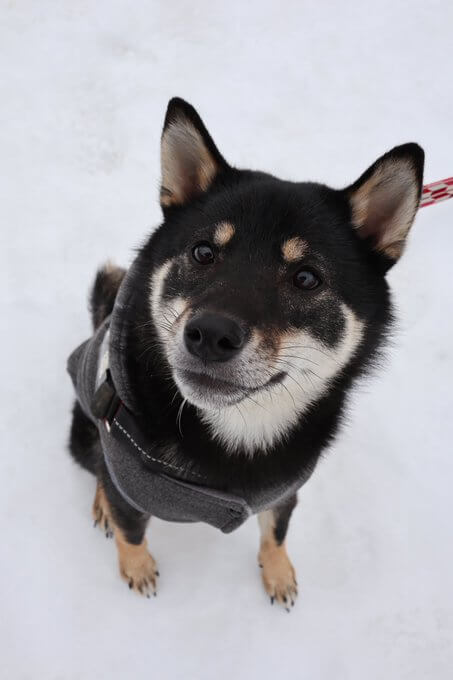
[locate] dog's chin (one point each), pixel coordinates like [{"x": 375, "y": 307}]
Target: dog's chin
[{"x": 207, "y": 393}]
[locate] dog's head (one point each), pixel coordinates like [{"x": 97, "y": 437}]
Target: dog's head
[{"x": 263, "y": 290}]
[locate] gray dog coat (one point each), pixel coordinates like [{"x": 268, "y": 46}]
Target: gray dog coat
[{"x": 98, "y": 372}]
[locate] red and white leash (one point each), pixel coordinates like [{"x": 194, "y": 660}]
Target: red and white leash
[{"x": 436, "y": 192}]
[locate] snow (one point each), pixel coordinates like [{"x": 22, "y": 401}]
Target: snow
[{"x": 313, "y": 90}]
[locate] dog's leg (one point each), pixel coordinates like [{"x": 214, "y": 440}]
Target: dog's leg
[
  {"x": 137, "y": 566},
  {"x": 101, "y": 512},
  {"x": 279, "y": 577}
]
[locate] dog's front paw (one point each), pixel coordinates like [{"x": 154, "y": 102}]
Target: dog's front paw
[
  {"x": 278, "y": 575},
  {"x": 138, "y": 568}
]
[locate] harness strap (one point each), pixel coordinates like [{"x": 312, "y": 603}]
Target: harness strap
[{"x": 163, "y": 489}]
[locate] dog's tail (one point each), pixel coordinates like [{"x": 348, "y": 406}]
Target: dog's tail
[{"x": 103, "y": 293}]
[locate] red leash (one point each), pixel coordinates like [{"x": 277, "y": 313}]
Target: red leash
[{"x": 436, "y": 192}]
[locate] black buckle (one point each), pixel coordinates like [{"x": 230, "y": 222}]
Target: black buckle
[{"x": 105, "y": 401}]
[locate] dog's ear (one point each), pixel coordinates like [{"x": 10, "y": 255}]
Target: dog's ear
[
  {"x": 190, "y": 161},
  {"x": 385, "y": 198}
]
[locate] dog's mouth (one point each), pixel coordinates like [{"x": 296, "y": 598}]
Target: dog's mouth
[{"x": 210, "y": 387}]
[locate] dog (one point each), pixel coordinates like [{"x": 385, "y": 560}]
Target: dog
[{"x": 258, "y": 303}]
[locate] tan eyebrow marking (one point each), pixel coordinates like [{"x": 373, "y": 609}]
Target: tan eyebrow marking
[
  {"x": 294, "y": 248},
  {"x": 223, "y": 234}
]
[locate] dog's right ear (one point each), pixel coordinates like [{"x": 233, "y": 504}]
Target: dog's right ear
[
  {"x": 384, "y": 200},
  {"x": 190, "y": 161}
]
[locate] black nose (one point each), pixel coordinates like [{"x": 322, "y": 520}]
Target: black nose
[{"x": 213, "y": 337}]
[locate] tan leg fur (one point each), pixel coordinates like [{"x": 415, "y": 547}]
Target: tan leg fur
[
  {"x": 137, "y": 566},
  {"x": 278, "y": 575}
]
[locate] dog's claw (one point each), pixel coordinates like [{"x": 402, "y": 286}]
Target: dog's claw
[{"x": 272, "y": 599}]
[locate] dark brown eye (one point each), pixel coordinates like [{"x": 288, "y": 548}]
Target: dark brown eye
[
  {"x": 203, "y": 253},
  {"x": 306, "y": 279}
]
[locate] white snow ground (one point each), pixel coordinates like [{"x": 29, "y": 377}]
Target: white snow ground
[{"x": 307, "y": 90}]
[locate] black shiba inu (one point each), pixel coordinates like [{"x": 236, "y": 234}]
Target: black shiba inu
[{"x": 258, "y": 303}]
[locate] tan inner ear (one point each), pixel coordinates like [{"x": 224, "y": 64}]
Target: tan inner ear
[
  {"x": 187, "y": 166},
  {"x": 385, "y": 205}
]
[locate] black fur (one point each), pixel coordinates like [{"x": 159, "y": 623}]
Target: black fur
[
  {"x": 84, "y": 440},
  {"x": 282, "y": 515},
  {"x": 103, "y": 293},
  {"x": 352, "y": 272},
  {"x": 248, "y": 281}
]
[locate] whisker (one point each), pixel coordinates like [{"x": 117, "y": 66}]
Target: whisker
[
  {"x": 299, "y": 369},
  {"x": 329, "y": 355},
  {"x": 305, "y": 373},
  {"x": 284, "y": 386},
  {"x": 179, "y": 416},
  {"x": 175, "y": 394},
  {"x": 144, "y": 324},
  {"x": 297, "y": 383},
  {"x": 241, "y": 414},
  {"x": 295, "y": 368},
  {"x": 295, "y": 356},
  {"x": 308, "y": 370},
  {"x": 256, "y": 402}
]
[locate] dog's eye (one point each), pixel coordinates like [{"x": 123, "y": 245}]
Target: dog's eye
[
  {"x": 306, "y": 279},
  {"x": 203, "y": 253}
]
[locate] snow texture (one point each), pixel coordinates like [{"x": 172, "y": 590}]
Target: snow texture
[{"x": 307, "y": 90}]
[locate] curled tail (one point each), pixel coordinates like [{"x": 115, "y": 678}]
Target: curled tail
[{"x": 103, "y": 293}]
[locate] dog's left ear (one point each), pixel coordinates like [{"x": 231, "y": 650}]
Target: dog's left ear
[
  {"x": 384, "y": 200},
  {"x": 190, "y": 161}
]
